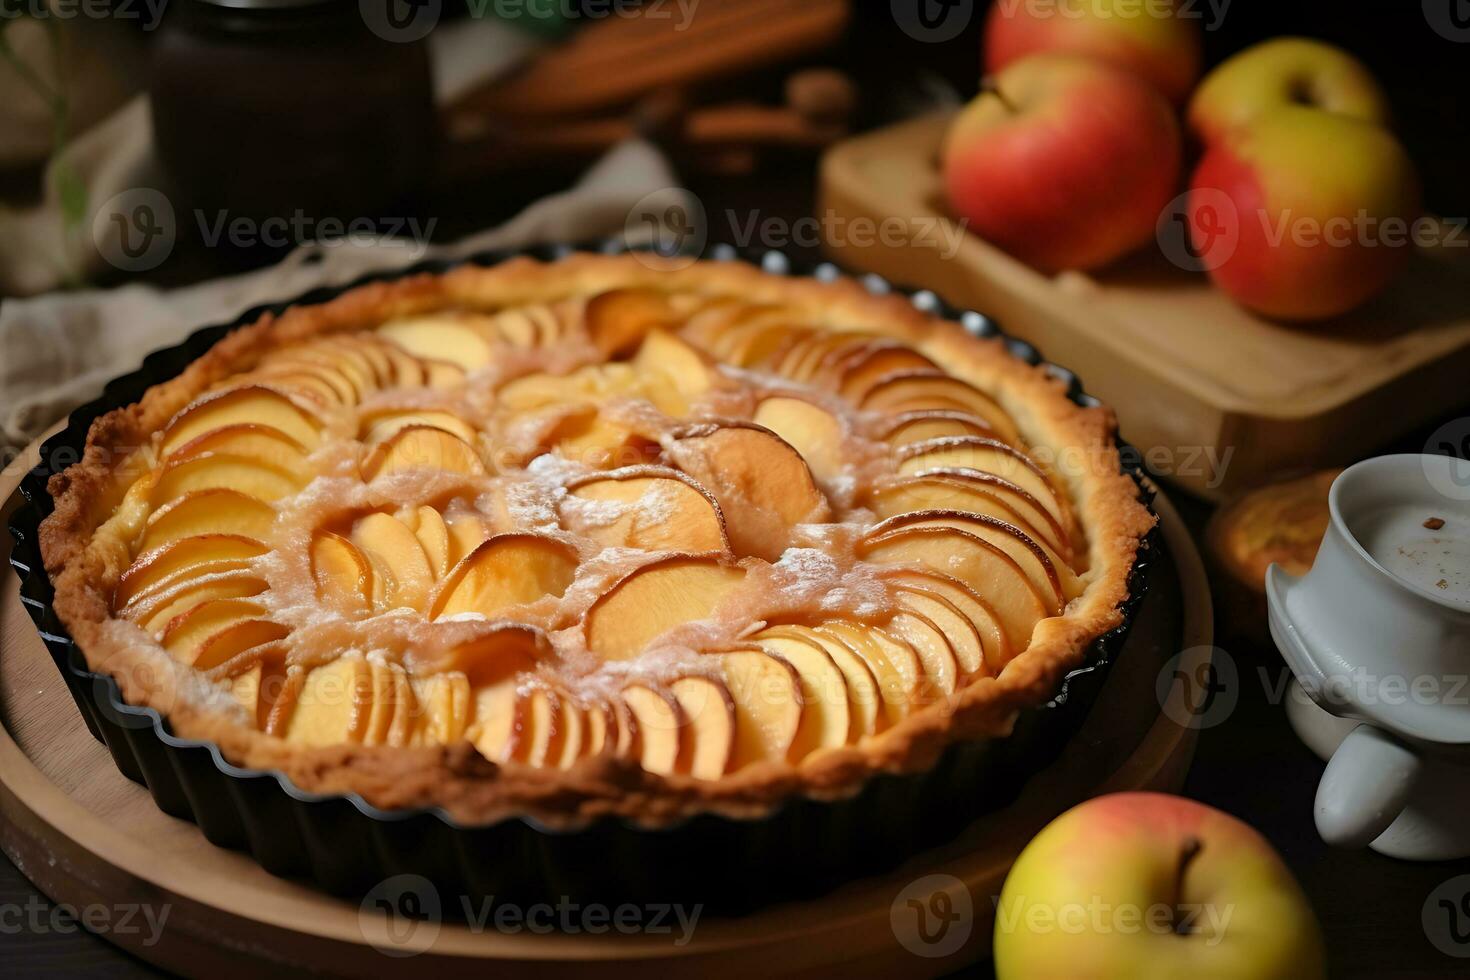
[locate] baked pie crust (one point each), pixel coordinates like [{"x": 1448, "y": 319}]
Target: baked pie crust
[{"x": 604, "y": 535}]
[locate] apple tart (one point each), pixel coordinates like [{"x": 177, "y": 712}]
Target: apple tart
[{"x": 601, "y": 535}]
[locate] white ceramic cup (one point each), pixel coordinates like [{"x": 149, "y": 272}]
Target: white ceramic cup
[{"x": 1378, "y": 632}]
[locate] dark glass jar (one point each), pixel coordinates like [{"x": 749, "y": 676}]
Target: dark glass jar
[{"x": 290, "y": 110}]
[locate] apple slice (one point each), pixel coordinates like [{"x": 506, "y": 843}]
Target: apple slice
[
  {"x": 936, "y": 654},
  {"x": 982, "y": 455},
  {"x": 466, "y": 533},
  {"x": 506, "y": 570},
  {"x": 652, "y": 508},
  {"x": 383, "y": 424},
  {"x": 343, "y": 388},
  {"x": 804, "y": 358},
  {"x": 575, "y": 732},
  {"x": 408, "y": 370},
  {"x": 619, "y": 319},
  {"x": 655, "y": 598},
  {"x": 329, "y": 355},
  {"x": 515, "y": 328},
  {"x": 444, "y": 702},
  {"x": 762, "y": 484},
  {"x": 160, "y": 607},
  {"x": 863, "y": 694},
  {"x": 962, "y": 635},
  {"x": 322, "y": 391},
  {"x": 541, "y": 731},
  {"x": 976, "y": 493},
  {"x": 598, "y": 443},
  {"x": 990, "y": 572},
  {"x": 192, "y": 557},
  {"x": 251, "y": 476},
  {"x": 333, "y": 705},
  {"x": 996, "y": 646},
  {"x": 921, "y": 426},
  {"x": 599, "y": 733},
  {"x": 443, "y": 376},
  {"x": 248, "y": 403},
  {"x": 213, "y": 632},
  {"x": 428, "y": 526},
  {"x": 1031, "y": 557},
  {"x": 894, "y": 664},
  {"x": 665, "y": 354},
  {"x": 874, "y": 361},
  {"x": 497, "y": 663},
  {"x": 920, "y": 390},
  {"x": 756, "y": 341},
  {"x": 826, "y": 721},
  {"x": 811, "y": 430},
  {"x": 439, "y": 338},
  {"x": 341, "y": 572},
  {"x": 250, "y": 440},
  {"x": 397, "y": 558},
  {"x": 220, "y": 510},
  {"x": 709, "y": 713},
  {"x": 768, "y": 708},
  {"x": 661, "y": 724},
  {"x": 256, "y": 689},
  {"x": 371, "y": 351},
  {"x": 388, "y": 704},
  {"x": 418, "y": 447}
]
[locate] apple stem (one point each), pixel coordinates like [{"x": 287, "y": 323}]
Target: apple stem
[
  {"x": 1187, "y": 853},
  {"x": 989, "y": 86}
]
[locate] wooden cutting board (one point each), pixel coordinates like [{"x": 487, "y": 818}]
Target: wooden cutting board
[
  {"x": 87, "y": 836},
  {"x": 1218, "y": 398}
]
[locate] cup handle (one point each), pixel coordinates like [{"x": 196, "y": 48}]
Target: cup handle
[{"x": 1365, "y": 787}]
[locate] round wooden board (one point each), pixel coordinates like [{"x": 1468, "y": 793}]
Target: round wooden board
[{"x": 85, "y": 835}]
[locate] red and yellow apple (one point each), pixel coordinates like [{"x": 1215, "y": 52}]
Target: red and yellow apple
[
  {"x": 1287, "y": 71},
  {"x": 1064, "y": 162},
  {"x": 1144, "y": 884},
  {"x": 1155, "y": 41},
  {"x": 1304, "y": 214}
]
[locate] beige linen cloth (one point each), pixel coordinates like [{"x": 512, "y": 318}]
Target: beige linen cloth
[{"x": 58, "y": 350}]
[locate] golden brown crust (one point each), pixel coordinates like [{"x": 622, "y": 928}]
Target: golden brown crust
[{"x": 455, "y": 778}]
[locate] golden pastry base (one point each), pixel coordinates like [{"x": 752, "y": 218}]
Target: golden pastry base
[{"x": 85, "y": 835}]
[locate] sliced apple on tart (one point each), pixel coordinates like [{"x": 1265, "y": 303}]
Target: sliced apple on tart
[
  {"x": 506, "y": 570},
  {"x": 977, "y": 563},
  {"x": 929, "y": 390},
  {"x": 983, "y": 455},
  {"x": 218, "y": 510},
  {"x": 422, "y": 447},
  {"x": 618, "y": 320},
  {"x": 766, "y": 692},
  {"x": 444, "y": 337},
  {"x": 252, "y": 404},
  {"x": 815, "y": 433},
  {"x": 655, "y": 598},
  {"x": 185, "y": 558},
  {"x": 650, "y": 508},
  {"x": 333, "y": 704}
]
